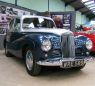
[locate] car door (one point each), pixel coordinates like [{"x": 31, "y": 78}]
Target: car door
[{"x": 13, "y": 35}]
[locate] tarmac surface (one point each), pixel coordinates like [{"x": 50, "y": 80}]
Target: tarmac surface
[{"x": 13, "y": 73}]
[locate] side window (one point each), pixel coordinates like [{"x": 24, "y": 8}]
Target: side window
[
  {"x": 17, "y": 25},
  {"x": 11, "y": 25}
]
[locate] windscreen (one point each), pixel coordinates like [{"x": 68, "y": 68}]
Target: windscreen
[
  {"x": 29, "y": 23},
  {"x": 91, "y": 32}
]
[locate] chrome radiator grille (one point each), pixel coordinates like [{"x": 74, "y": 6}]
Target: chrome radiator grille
[{"x": 68, "y": 46}]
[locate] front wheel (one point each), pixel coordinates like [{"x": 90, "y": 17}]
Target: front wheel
[{"x": 32, "y": 67}]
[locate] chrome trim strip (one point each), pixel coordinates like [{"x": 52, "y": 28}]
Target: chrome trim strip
[{"x": 58, "y": 62}]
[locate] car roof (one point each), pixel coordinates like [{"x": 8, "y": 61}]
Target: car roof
[{"x": 30, "y": 16}]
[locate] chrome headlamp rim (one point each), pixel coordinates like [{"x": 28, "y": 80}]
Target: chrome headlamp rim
[
  {"x": 89, "y": 44},
  {"x": 46, "y": 45}
]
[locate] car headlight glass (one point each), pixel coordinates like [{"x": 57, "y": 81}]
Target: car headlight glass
[
  {"x": 89, "y": 44},
  {"x": 46, "y": 45}
]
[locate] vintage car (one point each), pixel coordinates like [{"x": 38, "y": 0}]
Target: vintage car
[
  {"x": 37, "y": 40},
  {"x": 89, "y": 34}
]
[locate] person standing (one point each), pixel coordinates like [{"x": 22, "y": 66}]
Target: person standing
[
  {"x": 46, "y": 14},
  {"x": 58, "y": 22}
]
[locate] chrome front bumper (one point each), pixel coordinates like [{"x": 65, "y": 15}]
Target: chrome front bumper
[{"x": 59, "y": 62}]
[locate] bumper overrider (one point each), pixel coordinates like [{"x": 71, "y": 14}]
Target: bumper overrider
[{"x": 65, "y": 62}]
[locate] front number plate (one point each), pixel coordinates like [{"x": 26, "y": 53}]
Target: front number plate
[{"x": 68, "y": 64}]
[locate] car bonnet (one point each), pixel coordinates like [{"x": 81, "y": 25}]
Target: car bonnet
[{"x": 54, "y": 31}]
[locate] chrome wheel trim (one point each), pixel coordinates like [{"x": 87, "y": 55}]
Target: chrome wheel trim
[{"x": 29, "y": 60}]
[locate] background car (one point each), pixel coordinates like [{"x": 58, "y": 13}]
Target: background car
[{"x": 89, "y": 34}]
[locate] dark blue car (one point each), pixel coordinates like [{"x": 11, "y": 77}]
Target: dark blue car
[{"x": 40, "y": 43}]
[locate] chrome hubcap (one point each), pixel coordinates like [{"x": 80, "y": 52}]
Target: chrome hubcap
[{"x": 29, "y": 59}]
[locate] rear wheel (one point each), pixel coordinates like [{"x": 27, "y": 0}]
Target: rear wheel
[
  {"x": 7, "y": 53},
  {"x": 32, "y": 67}
]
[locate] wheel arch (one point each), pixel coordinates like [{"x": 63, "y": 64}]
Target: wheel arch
[{"x": 27, "y": 45}]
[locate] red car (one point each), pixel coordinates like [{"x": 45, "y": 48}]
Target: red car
[{"x": 89, "y": 34}]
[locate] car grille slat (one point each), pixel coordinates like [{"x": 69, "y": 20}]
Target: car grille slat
[
  {"x": 71, "y": 45},
  {"x": 64, "y": 46},
  {"x": 68, "y": 46}
]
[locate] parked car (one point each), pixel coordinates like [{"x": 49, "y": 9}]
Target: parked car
[
  {"x": 89, "y": 34},
  {"x": 40, "y": 43}
]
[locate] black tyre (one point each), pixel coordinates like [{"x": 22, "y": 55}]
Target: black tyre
[
  {"x": 7, "y": 53},
  {"x": 30, "y": 62},
  {"x": 79, "y": 68}
]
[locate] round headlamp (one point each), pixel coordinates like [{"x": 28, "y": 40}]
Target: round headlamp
[
  {"x": 89, "y": 44},
  {"x": 46, "y": 45}
]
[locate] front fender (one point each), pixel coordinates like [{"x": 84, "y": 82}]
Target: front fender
[
  {"x": 80, "y": 40},
  {"x": 34, "y": 44}
]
